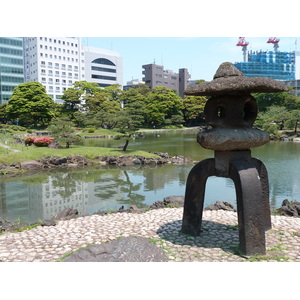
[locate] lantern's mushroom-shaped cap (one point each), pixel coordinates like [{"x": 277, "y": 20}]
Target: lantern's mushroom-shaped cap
[{"x": 229, "y": 80}]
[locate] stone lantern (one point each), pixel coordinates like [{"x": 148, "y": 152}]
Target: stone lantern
[{"x": 230, "y": 113}]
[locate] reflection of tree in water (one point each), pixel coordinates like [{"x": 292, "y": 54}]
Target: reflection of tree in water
[
  {"x": 66, "y": 184},
  {"x": 158, "y": 177},
  {"x": 119, "y": 185},
  {"x": 129, "y": 188}
]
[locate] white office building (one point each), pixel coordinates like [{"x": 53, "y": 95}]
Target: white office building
[
  {"x": 58, "y": 62},
  {"x": 103, "y": 66}
]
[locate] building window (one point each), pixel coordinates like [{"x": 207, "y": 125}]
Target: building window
[
  {"x": 104, "y": 69},
  {"x": 103, "y": 61},
  {"x": 104, "y": 77}
]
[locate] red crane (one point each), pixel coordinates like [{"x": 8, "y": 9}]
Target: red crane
[
  {"x": 242, "y": 42},
  {"x": 275, "y": 41}
]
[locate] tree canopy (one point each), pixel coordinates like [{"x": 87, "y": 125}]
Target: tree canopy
[
  {"x": 88, "y": 105},
  {"x": 30, "y": 104}
]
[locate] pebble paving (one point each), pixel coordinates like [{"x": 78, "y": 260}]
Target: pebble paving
[{"x": 218, "y": 242}]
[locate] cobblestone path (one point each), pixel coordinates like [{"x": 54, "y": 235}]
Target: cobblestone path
[{"x": 218, "y": 241}]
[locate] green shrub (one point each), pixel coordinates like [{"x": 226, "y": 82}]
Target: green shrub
[{"x": 30, "y": 140}]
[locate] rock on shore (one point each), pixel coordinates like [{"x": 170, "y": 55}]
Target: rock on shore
[{"x": 77, "y": 160}]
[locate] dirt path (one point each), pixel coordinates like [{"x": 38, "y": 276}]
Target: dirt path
[{"x": 7, "y": 147}]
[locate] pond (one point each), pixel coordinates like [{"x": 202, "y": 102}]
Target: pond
[{"x": 40, "y": 196}]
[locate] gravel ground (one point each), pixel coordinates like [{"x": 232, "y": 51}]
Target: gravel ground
[{"x": 218, "y": 241}]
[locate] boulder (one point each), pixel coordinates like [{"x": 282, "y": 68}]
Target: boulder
[
  {"x": 55, "y": 145},
  {"x": 289, "y": 208},
  {"x": 66, "y": 214},
  {"x": 126, "y": 249},
  {"x": 31, "y": 165},
  {"x": 157, "y": 205},
  {"x": 48, "y": 223},
  {"x": 220, "y": 205},
  {"x": 174, "y": 201}
]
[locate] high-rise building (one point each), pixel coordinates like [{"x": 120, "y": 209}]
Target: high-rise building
[
  {"x": 11, "y": 66},
  {"x": 54, "y": 62},
  {"x": 155, "y": 75},
  {"x": 271, "y": 64},
  {"x": 58, "y": 62}
]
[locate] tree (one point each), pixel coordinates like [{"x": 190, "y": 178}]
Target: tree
[
  {"x": 194, "y": 109},
  {"x": 265, "y": 100},
  {"x": 64, "y": 132},
  {"x": 161, "y": 104},
  {"x": 3, "y": 113},
  {"x": 131, "y": 117},
  {"x": 72, "y": 100},
  {"x": 273, "y": 119},
  {"x": 30, "y": 104},
  {"x": 293, "y": 120}
]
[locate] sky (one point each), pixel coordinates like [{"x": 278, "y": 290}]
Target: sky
[
  {"x": 188, "y": 34},
  {"x": 200, "y": 55}
]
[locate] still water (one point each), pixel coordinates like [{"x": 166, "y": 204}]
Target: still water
[{"x": 42, "y": 195}]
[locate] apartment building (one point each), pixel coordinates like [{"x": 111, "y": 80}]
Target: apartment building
[
  {"x": 155, "y": 75},
  {"x": 11, "y": 66}
]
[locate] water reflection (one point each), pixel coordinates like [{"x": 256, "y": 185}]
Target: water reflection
[{"x": 40, "y": 196}]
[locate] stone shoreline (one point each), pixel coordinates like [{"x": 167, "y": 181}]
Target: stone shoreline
[{"x": 77, "y": 161}]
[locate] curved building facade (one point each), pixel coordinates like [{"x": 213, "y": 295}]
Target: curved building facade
[{"x": 102, "y": 66}]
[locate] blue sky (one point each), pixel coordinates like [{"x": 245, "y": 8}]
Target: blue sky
[
  {"x": 200, "y": 55},
  {"x": 188, "y": 34}
]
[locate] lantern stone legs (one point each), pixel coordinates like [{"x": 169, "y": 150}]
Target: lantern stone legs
[{"x": 252, "y": 192}]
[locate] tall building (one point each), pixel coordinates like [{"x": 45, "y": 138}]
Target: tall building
[
  {"x": 271, "y": 64},
  {"x": 155, "y": 75},
  {"x": 11, "y": 66},
  {"x": 103, "y": 66},
  {"x": 58, "y": 62},
  {"x": 54, "y": 62}
]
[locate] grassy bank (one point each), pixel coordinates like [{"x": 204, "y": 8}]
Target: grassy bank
[
  {"x": 13, "y": 153},
  {"x": 36, "y": 153}
]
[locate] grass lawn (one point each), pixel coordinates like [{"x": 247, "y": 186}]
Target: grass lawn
[
  {"x": 100, "y": 131},
  {"x": 7, "y": 156},
  {"x": 36, "y": 153}
]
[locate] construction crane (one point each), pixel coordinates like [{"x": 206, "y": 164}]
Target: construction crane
[
  {"x": 242, "y": 42},
  {"x": 275, "y": 41}
]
